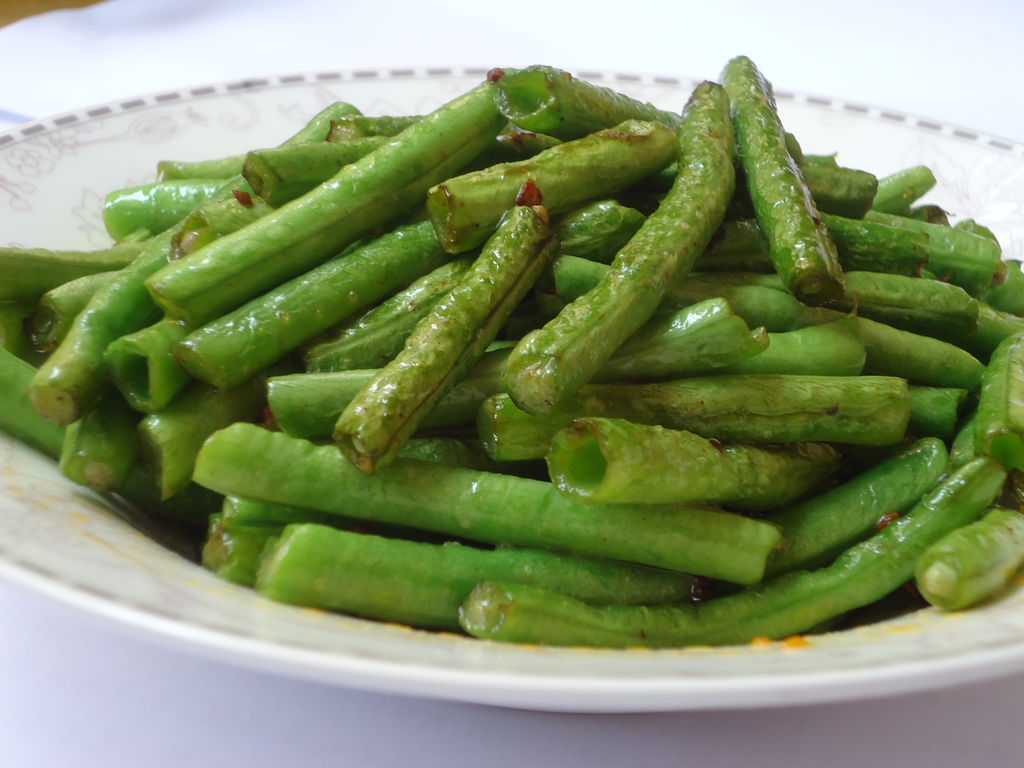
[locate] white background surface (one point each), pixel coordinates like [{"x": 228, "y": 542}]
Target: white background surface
[{"x": 77, "y": 691}]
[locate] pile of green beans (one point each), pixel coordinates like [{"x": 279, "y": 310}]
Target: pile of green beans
[{"x": 545, "y": 365}]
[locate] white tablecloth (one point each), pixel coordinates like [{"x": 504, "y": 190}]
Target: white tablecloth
[{"x": 75, "y": 691}]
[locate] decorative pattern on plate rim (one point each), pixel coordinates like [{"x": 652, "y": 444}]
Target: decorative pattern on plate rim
[{"x": 159, "y": 98}]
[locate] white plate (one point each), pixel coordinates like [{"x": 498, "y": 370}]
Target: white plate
[{"x": 53, "y": 175}]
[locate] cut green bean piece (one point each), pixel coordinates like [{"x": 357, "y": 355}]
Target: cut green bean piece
[
  {"x": 355, "y": 127},
  {"x": 12, "y": 327},
  {"x": 512, "y": 145},
  {"x": 316, "y": 129},
  {"x": 447, "y": 342},
  {"x": 372, "y": 192},
  {"x": 482, "y": 506},
  {"x": 934, "y": 411},
  {"x": 829, "y": 349},
  {"x": 933, "y": 214},
  {"x": 701, "y": 338},
  {"x": 617, "y": 461},
  {"x": 928, "y": 307},
  {"x": 840, "y": 191},
  {"x": 597, "y": 231},
  {"x": 858, "y": 410},
  {"x": 972, "y": 563},
  {"x": 999, "y": 422},
  {"x": 992, "y": 328},
  {"x": 423, "y": 584},
  {"x": 819, "y": 529},
  {"x": 101, "y": 447},
  {"x": 309, "y": 404},
  {"x": 784, "y": 606},
  {"x": 282, "y": 174},
  {"x": 172, "y": 436},
  {"x": 971, "y": 261},
  {"x": 465, "y": 209},
  {"x": 551, "y": 363},
  {"x": 799, "y": 244},
  {"x": 964, "y": 446},
  {"x": 234, "y": 552},
  {"x": 1008, "y": 297},
  {"x": 876, "y": 247},
  {"x": 155, "y": 206},
  {"x": 244, "y": 342},
  {"x": 214, "y": 220},
  {"x": 17, "y": 417},
  {"x": 142, "y": 368},
  {"x": 28, "y": 273},
  {"x": 217, "y": 168},
  {"x": 551, "y": 101},
  {"x": 58, "y": 308},
  {"x": 379, "y": 334},
  {"x": 897, "y": 191}
]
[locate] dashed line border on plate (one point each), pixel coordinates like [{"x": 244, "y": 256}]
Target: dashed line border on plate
[{"x": 36, "y": 128}]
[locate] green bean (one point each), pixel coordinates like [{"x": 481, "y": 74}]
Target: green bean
[
  {"x": 551, "y": 101},
  {"x": 423, "y": 584},
  {"x": 447, "y": 342},
  {"x": 898, "y": 190},
  {"x": 999, "y": 422},
  {"x": 840, "y": 191},
  {"x": 214, "y": 220},
  {"x": 830, "y": 349},
  {"x": 217, "y": 168},
  {"x": 12, "y": 327},
  {"x": 786, "y": 605},
  {"x": 74, "y": 374},
  {"x": 354, "y": 127},
  {"x": 374, "y": 191},
  {"x": 465, "y": 209},
  {"x": 992, "y": 328},
  {"x": 154, "y": 207},
  {"x": 933, "y": 214},
  {"x": 28, "y": 273},
  {"x": 282, "y": 174},
  {"x": 875, "y": 247},
  {"x": 934, "y": 411},
  {"x": 550, "y": 363},
  {"x": 861, "y": 245},
  {"x": 58, "y": 308},
  {"x": 101, "y": 447},
  {"x": 616, "y": 461},
  {"x": 379, "y": 334},
  {"x": 249, "y": 339},
  {"x": 800, "y": 247},
  {"x": 963, "y": 447},
  {"x": 971, "y": 261},
  {"x": 701, "y": 338},
  {"x": 927, "y": 307},
  {"x": 972, "y": 563},
  {"x": 597, "y": 231},
  {"x": 316, "y": 129},
  {"x": 17, "y": 418},
  {"x": 514, "y": 144},
  {"x": 920, "y": 359},
  {"x": 481, "y": 506},
  {"x": 860, "y": 410},
  {"x": 1008, "y": 297},
  {"x": 819, "y": 529},
  {"x": 142, "y": 368},
  {"x": 172, "y": 435},
  {"x": 234, "y": 552}
]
